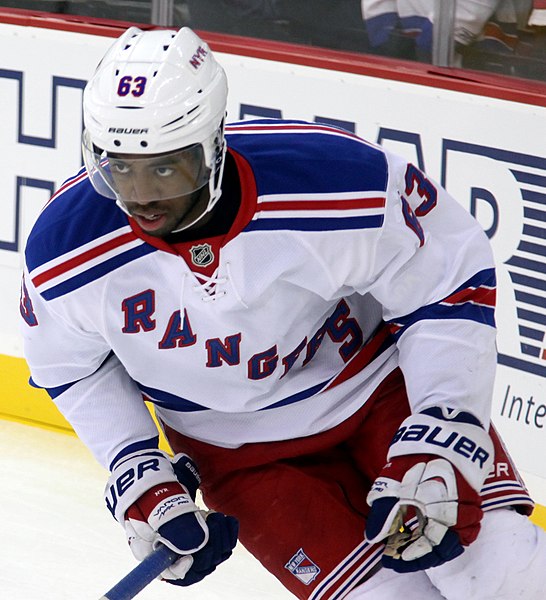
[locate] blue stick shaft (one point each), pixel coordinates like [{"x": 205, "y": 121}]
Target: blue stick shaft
[{"x": 143, "y": 574}]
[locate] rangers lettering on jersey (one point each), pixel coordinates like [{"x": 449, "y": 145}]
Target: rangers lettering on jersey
[{"x": 342, "y": 329}]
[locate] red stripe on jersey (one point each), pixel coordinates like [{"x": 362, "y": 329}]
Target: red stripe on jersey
[
  {"x": 330, "y": 204},
  {"x": 82, "y": 258},
  {"x": 362, "y": 358},
  {"x": 394, "y": 328},
  {"x": 485, "y": 296},
  {"x": 289, "y": 128},
  {"x": 349, "y": 573},
  {"x": 66, "y": 185}
]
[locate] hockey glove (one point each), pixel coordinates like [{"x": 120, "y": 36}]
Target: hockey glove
[
  {"x": 425, "y": 504},
  {"x": 153, "y": 498}
]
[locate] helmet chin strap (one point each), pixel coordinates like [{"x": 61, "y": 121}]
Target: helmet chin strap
[
  {"x": 198, "y": 218},
  {"x": 121, "y": 204},
  {"x": 215, "y": 192}
]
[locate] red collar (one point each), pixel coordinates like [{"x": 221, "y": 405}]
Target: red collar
[{"x": 245, "y": 214}]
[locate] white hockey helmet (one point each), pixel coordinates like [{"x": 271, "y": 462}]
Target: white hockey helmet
[{"x": 156, "y": 92}]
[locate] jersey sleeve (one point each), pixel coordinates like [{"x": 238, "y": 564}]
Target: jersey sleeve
[
  {"x": 85, "y": 379},
  {"x": 433, "y": 272}
]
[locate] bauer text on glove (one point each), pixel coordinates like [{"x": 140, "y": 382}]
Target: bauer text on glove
[
  {"x": 425, "y": 504},
  {"x": 154, "y": 499}
]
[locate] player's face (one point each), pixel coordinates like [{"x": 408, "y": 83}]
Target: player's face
[{"x": 161, "y": 192}]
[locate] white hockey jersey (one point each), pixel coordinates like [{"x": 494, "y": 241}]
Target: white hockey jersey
[{"x": 343, "y": 262}]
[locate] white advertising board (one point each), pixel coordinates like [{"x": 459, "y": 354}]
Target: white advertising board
[{"x": 488, "y": 152}]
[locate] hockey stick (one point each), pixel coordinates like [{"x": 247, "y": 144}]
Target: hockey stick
[{"x": 143, "y": 574}]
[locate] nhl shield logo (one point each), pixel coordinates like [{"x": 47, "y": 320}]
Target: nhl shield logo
[
  {"x": 202, "y": 255},
  {"x": 302, "y": 567}
]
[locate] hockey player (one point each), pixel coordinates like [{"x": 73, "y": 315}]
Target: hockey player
[{"x": 313, "y": 320}]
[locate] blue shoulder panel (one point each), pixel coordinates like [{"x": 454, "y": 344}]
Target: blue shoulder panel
[
  {"x": 78, "y": 238},
  {"x": 294, "y": 157},
  {"x": 75, "y": 216},
  {"x": 311, "y": 177}
]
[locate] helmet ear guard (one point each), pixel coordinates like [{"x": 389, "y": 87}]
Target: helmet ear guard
[{"x": 155, "y": 92}]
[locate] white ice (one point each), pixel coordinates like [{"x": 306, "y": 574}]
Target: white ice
[{"x": 58, "y": 541}]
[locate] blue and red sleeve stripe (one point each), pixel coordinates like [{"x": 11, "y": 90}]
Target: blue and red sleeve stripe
[{"x": 474, "y": 300}]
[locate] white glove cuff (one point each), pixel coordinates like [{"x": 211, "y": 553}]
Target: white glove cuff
[
  {"x": 134, "y": 475},
  {"x": 468, "y": 447}
]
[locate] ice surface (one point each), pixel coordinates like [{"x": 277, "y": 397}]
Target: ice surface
[{"x": 58, "y": 541}]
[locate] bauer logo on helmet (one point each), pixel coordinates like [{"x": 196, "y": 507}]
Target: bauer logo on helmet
[{"x": 127, "y": 130}]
